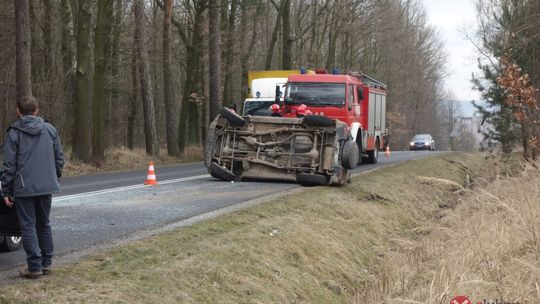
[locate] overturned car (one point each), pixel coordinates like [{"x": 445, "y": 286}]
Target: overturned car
[{"x": 313, "y": 150}]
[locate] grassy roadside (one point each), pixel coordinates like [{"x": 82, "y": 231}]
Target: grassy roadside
[{"x": 405, "y": 234}]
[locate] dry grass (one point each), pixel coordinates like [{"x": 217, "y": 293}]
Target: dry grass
[
  {"x": 406, "y": 234},
  {"x": 485, "y": 246},
  {"x": 124, "y": 159}
]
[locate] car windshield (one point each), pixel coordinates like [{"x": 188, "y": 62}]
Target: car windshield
[
  {"x": 317, "y": 94},
  {"x": 258, "y": 107},
  {"x": 422, "y": 137}
]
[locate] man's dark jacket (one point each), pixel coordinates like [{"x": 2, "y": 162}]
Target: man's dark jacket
[{"x": 33, "y": 158}]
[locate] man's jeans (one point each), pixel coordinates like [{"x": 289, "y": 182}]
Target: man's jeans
[{"x": 36, "y": 231}]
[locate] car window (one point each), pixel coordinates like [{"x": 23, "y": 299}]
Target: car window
[{"x": 422, "y": 137}]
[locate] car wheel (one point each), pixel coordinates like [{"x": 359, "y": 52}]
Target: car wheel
[
  {"x": 350, "y": 155},
  {"x": 309, "y": 180},
  {"x": 373, "y": 155},
  {"x": 220, "y": 172},
  {"x": 233, "y": 118},
  {"x": 11, "y": 243},
  {"x": 317, "y": 121}
]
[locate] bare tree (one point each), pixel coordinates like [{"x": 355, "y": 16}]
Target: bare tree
[
  {"x": 168, "y": 87},
  {"x": 449, "y": 111},
  {"x": 152, "y": 146},
  {"x": 81, "y": 132},
  {"x": 23, "y": 61},
  {"x": 229, "y": 10},
  {"x": 134, "y": 100},
  {"x": 214, "y": 60},
  {"x": 102, "y": 53}
]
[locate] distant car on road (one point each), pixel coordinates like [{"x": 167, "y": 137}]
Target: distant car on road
[{"x": 422, "y": 142}]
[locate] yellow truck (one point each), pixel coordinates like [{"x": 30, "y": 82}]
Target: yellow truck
[{"x": 264, "y": 89}]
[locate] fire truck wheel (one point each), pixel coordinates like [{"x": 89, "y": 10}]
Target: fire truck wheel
[
  {"x": 309, "y": 180},
  {"x": 350, "y": 155},
  {"x": 373, "y": 155},
  {"x": 10, "y": 243},
  {"x": 233, "y": 118},
  {"x": 317, "y": 121},
  {"x": 220, "y": 172},
  {"x": 209, "y": 143}
]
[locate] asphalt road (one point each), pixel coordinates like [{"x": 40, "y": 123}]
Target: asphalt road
[{"x": 94, "y": 210}]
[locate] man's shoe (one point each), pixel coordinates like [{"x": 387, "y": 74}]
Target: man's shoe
[
  {"x": 46, "y": 270},
  {"x": 24, "y": 273}
]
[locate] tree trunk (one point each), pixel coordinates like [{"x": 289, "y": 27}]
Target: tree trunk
[
  {"x": 22, "y": 44},
  {"x": 168, "y": 87},
  {"x": 114, "y": 86},
  {"x": 272, "y": 45},
  {"x": 101, "y": 58},
  {"x": 229, "y": 54},
  {"x": 67, "y": 66},
  {"x": 155, "y": 60},
  {"x": 286, "y": 57},
  {"x": 47, "y": 37},
  {"x": 81, "y": 132},
  {"x": 189, "y": 113},
  {"x": 134, "y": 98},
  {"x": 247, "y": 50},
  {"x": 214, "y": 60},
  {"x": 332, "y": 40},
  {"x": 152, "y": 147}
]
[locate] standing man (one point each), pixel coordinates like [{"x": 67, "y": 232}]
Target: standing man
[{"x": 33, "y": 163}]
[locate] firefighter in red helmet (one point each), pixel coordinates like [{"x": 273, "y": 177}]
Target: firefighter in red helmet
[
  {"x": 301, "y": 111},
  {"x": 275, "y": 109}
]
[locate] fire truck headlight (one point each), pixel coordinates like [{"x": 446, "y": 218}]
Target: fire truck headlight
[
  {"x": 412, "y": 143},
  {"x": 428, "y": 143}
]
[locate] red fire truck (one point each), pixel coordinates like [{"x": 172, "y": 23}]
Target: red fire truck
[{"x": 356, "y": 99}]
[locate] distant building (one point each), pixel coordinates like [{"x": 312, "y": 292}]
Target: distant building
[{"x": 468, "y": 131}]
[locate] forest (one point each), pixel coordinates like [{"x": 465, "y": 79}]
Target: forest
[{"x": 152, "y": 73}]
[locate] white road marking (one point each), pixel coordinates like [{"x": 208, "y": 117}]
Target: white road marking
[{"x": 98, "y": 192}]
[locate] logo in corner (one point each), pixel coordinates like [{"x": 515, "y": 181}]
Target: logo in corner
[{"x": 460, "y": 300}]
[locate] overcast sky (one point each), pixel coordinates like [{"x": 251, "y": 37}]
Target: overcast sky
[{"x": 450, "y": 18}]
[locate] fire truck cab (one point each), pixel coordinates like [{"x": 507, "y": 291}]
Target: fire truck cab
[{"x": 355, "y": 98}]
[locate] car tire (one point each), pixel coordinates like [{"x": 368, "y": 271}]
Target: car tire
[
  {"x": 350, "y": 155},
  {"x": 220, "y": 172},
  {"x": 373, "y": 155},
  {"x": 317, "y": 121},
  {"x": 233, "y": 118},
  {"x": 310, "y": 180},
  {"x": 10, "y": 243}
]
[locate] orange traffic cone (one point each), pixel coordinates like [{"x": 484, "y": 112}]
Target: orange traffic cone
[
  {"x": 151, "y": 178},
  {"x": 387, "y": 152}
]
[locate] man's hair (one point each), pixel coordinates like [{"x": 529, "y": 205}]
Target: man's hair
[{"x": 27, "y": 105}]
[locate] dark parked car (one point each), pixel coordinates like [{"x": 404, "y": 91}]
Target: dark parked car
[
  {"x": 10, "y": 234},
  {"x": 422, "y": 142}
]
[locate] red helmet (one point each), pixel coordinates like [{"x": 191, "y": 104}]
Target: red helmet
[
  {"x": 301, "y": 110},
  {"x": 274, "y": 108}
]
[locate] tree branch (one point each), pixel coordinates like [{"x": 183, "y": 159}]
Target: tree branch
[{"x": 176, "y": 23}]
